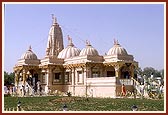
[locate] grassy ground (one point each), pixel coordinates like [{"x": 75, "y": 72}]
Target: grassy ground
[{"x": 55, "y": 103}]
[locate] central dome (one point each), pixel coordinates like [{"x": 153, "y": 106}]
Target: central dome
[
  {"x": 69, "y": 51},
  {"x": 117, "y": 50},
  {"x": 29, "y": 55},
  {"x": 89, "y": 50}
]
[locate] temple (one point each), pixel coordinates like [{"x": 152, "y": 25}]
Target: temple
[{"x": 81, "y": 72}]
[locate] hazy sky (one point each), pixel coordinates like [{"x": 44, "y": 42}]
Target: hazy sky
[{"x": 139, "y": 28}]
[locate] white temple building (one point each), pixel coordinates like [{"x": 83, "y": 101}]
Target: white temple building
[{"x": 81, "y": 72}]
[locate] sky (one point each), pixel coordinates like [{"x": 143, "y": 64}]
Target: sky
[{"x": 139, "y": 28}]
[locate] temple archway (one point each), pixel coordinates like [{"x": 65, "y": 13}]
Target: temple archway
[
  {"x": 110, "y": 71},
  {"x": 125, "y": 72}
]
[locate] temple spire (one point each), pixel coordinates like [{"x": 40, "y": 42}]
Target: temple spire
[{"x": 55, "y": 39}]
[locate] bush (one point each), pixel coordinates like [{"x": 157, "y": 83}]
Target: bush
[
  {"x": 7, "y": 95},
  {"x": 69, "y": 94}
]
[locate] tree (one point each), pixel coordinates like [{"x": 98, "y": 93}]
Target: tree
[
  {"x": 8, "y": 78},
  {"x": 148, "y": 71},
  {"x": 139, "y": 71},
  {"x": 162, "y": 73},
  {"x": 157, "y": 73}
]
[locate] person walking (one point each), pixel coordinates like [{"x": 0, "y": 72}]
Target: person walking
[{"x": 123, "y": 90}]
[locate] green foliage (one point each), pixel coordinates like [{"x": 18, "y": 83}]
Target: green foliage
[
  {"x": 7, "y": 95},
  {"x": 139, "y": 71},
  {"x": 162, "y": 73},
  {"x": 148, "y": 71},
  {"x": 55, "y": 103},
  {"x": 8, "y": 78}
]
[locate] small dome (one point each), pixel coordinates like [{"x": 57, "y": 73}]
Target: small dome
[
  {"x": 117, "y": 50},
  {"x": 89, "y": 50},
  {"x": 69, "y": 51},
  {"x": 29, "y": 55}
]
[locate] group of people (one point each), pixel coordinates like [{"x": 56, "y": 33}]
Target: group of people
[
  {"x": 36, "y": 89},
  {"x": 142, "y": 88},
  {"x": 10, "y": 90},
  {"x": 24, "y": 90}
]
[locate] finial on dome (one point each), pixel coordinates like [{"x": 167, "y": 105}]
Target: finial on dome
[
  {"x": 30, "y": 48},
  {"x": 116, "y": 42},
  {"x": 70, "y": 41},
  {"x": 87, "y": 43},
  {"x": 54, "y": 19}
]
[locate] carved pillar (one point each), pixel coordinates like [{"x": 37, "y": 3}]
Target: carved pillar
[
  {"x": 132, "y": 71},
  {"x": 16, "y": 78},
  {"x": 73, "y": 80},
  {"x": 49, "y": 77},
  {"x": 47, "y": 80},
  {"x": 88, "y": 72},
  {"x": 24, "y": 77},
  {"x": 73, "y": 76},
  {"x": 117, "y": 71},
  {"x": 84, "y": 75}
]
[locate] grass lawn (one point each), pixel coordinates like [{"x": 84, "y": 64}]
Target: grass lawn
[{"x": 55, "y": 103}]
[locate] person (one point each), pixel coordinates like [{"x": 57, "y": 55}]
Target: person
[
  {"x": 123, "y": 90},
  {"x": 40, "y": 90},
  {"x": 48, "y": 91},
  {"x": 23, "y": 90},
  {"x": 142, "y": 89},
  {"x": 33, "y": 90},
  {"x": 38, "y": 86},
  {"x": 27, "y": 90},
  {"x": 161, "y": 89},
  {"x": 20, "y": 92},
  {"x": 14, "y": 90},
  {"x": 11, "y": 90},
  {"x": 5, "y": 89}
]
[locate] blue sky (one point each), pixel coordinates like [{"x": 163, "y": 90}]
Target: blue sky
[{"x": 139, "y": 28}]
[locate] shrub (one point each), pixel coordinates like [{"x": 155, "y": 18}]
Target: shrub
[{"x": 69, "y": 94}]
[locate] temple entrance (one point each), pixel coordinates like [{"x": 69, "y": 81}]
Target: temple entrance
[
  {"x": 125, "y": 73},
  {"x": 110, "y": 71},
  {"x": 34, "y": 81}
]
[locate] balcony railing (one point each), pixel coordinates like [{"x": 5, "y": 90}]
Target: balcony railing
[{"x": 126, "y": 81}]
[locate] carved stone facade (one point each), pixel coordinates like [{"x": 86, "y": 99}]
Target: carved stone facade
[{"x": 82, "y": 72}]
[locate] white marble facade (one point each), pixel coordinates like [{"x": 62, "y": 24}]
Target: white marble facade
[{"x": 81, "y": 72}]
